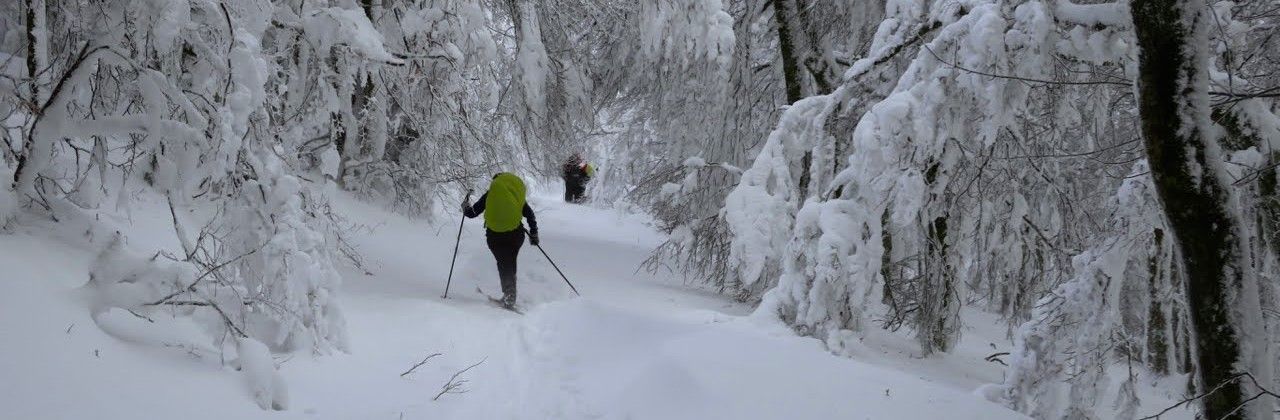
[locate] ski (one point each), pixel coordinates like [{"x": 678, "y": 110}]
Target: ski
[{"x": 498, "y": 302}]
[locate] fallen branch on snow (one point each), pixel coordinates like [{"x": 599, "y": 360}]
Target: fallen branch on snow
[
  {"x": 423, "y": 362},
  {"x": 454, "y": 386}
]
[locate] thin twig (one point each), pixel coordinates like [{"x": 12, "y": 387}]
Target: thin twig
[
  {"x": 1261, "y": 392},
  {"x": 454, "y": 386},
  {"x": 202, "y": 276},
  {"x": 1024, "y": 79},
  {"x": 423, "y": 362}
]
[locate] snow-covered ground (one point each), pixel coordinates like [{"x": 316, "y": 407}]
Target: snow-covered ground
[{"x": 635, "y": 345}]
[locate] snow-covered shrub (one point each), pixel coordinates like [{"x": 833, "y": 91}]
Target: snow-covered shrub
[
  {"x": 172, "y": 97},
  {"x": 697, "y": 235},
  {"x": 289, "y": 281},
  {"x": 1080, "y": 328},
  {"x": 761, "y": 209},
  {"x": 726, "y": 115}
]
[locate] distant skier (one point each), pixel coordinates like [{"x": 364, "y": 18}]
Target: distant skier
[
  {"x": 576, "y": 174},
  {"x": 503, "y": 207}
]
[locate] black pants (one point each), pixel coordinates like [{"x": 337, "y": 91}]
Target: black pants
[
  {"x": 505, "y": 247},
  {"x": 574, "y": 190}
]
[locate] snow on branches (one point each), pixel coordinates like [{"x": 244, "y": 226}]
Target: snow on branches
[
  {"x": 906, "y": 228},
  {"x": 760, "y": 210},
  {"x": 174, "y": 99},
  {"x": 970, "y": 183},
  {"x": 687, "y": 31}
]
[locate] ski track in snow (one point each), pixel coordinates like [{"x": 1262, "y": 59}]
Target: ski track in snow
[{"x": 636, "y": 345}]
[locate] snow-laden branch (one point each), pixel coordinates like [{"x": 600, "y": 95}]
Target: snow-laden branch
[
  {"x": 1115, "y": 14},
  {"x": 332, "y": 26},
  {"x": 687, "y": 31}
]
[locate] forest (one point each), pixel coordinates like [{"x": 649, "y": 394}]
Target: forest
[{"x": 1093, "y": 182}]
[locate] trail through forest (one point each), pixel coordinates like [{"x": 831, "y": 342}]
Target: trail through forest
[{"x": 635, "y": 345}]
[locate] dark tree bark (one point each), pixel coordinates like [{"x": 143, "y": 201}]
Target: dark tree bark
[
  {"x": 1157, "y": 324},
  {"x": 37, "y": 33},
  {"x": 792, "y": 59},
  {"x": 784, "y": 16},
  {"x": 1173, "y": 106}
]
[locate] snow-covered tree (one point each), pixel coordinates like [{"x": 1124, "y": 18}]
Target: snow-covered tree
[
  {"x": 970, "y": 182},
  {"x": 1208, "y": 224},
  {"x": 783, "y": 52}
]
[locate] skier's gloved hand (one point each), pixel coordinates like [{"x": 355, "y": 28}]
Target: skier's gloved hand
[
  {"x": 533, "y": 238},
  {"x": 466, "y": 207}
]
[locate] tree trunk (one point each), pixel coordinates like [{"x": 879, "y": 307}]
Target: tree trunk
[
  {"x": 886, "y": 261},
  {"x": 784, "y": 15},
  {"x": 1221, "y": 290},
  {"x": 38, "y": 72},
  {"x": 937, "y": 300},
  {"x": 1157, "y": 324},
  {"x": 824, "y": 76},
  {"x": 355, "y": 130},
  {"x": 1269, "y": 204},
  {"x": 938, "y": 325},
  {"x": 38, "y": 52}
]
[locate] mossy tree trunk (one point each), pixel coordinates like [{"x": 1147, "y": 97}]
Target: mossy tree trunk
[
  {"x": 1173, "y": 105},
  {"x": 1157, "y": 323}
]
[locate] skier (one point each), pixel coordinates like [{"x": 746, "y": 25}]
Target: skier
[
  {"x": 503, "y": 207},
  {"x": 576, "y": 174}
]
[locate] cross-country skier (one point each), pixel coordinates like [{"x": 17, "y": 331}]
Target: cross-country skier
[
  {"x": 503, "y": 206},
  {"x": 576, "y": 174}
]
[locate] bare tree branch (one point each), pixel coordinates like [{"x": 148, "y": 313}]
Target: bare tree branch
[
  {"x": 423, "y": 362},
  {"x": 454, "y": 386}
]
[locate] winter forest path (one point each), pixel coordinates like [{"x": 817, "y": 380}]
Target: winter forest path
[
  {"x": 635, "y": 345},
  {"x": 568, "y": 357}
]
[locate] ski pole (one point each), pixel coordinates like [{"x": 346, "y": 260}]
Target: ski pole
[
  {"x": 553, "y": 264},
  {"x": 455, "y": 248}
]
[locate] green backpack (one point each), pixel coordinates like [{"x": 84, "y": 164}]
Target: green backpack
[{"x": 504, "y": 204}]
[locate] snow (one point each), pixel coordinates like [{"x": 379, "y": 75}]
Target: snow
[
  {"x": 260, "y": 375},
  {"x": 636, "y": 345},
  {"x": 169, "y": 249},
  {"x": 337, "y": 26},
  {"x": 687, "y": 31},
  {"x": 532, "y": 61},
  {"x": 164, "y": 21},
  {"x": 695, "y": 162},
  {"x": 760, "y": 209},
  {"x": 1105, "y": 14}
]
